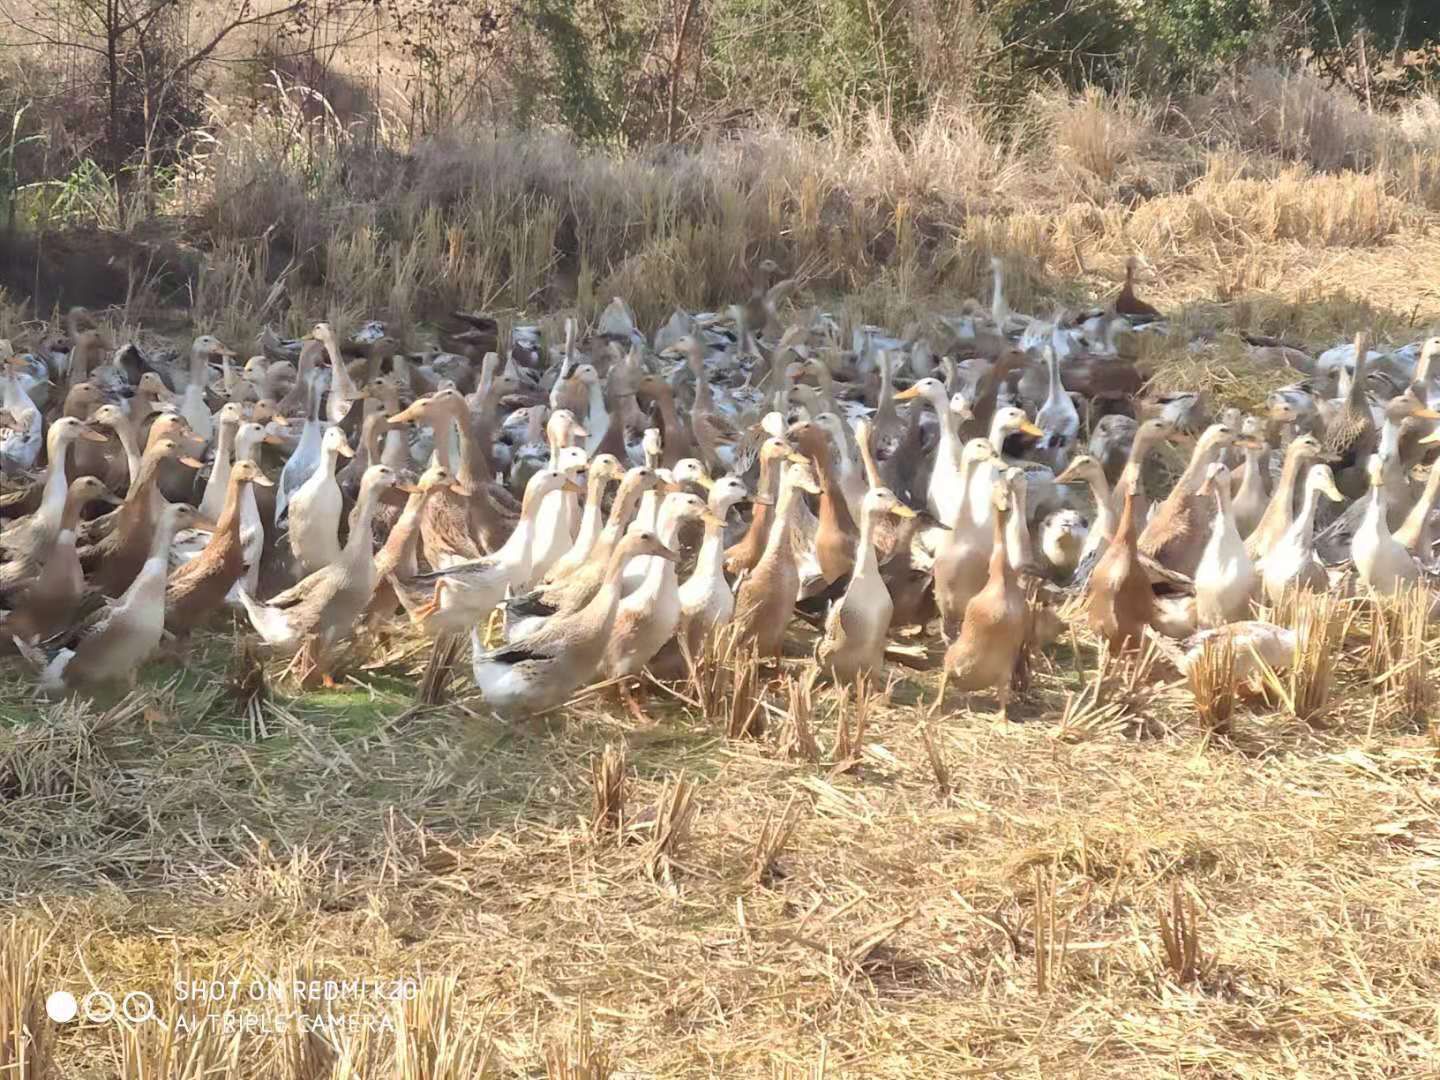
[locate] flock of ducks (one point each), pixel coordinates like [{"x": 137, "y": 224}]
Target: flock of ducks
[{"x": 594, "y": 510}]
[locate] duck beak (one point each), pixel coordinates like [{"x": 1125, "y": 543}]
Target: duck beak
[
  {"x": 1332, "y": 491},
  {"x": 1433, "y": 437},
  {"x": 705, "y": 482},
  {"x": 1067, "y": 476},
  {"x": 272, "y": 440},
  {"x": 262, "y": 480},
  {"x": 1027, "y": 428},
  {"x": 1426, "y": 414},
  {"x": 579, "y": 432},
  {"x": 460, "y": 489},
  {"x": 408, "y": 415},
  {"x": 93, "y": 436},
  {"x": 710, "y": 518},
  {"x": 668, "y": 554},
  {"x": 408, "y": 489},
  {"x": 900, "y": 510},
  {"x": 113, "y": 499},
  {"x": 908, "y": 393},
  {"x": 190, "y": 462},
  {"x": 1247, "y": 443},
  {"x": 345, "y": 451},
  {"x": 797, "y": 459}
]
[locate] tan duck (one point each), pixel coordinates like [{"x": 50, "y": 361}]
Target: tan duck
[
  {"x": 1176, "y": 533},
  {"x": 1291, "y": 563},
  {"x": 453, "y": 523},
  {"x": 398, "y": 558},
  {"x": 648, "y": 617},
  {"x": 316, "y": 506},
  {"x": 114, "y": 561},
  {"x": 544, "y": 669},
  {"x": 50, "y": 600},
  {"x": 198, "y": 588},
  {"x": 27, "y": 542},
  {"x": 1120, "y": 601},
  {"x": 1303, "y": 451},
  {"x": 526, "y": 613},
  {"x": 1127, "y": 303},
  {"x": 836, "y": 534},
  {"x": 984, "y": 654},
  {"x": 1350, "y": 433},
  {"x": 766, "y": 597},
  {"x": 745, "y": 553},
  {"x": 325, "y": 606},
  {"x": 963, "y": 559},
  {"x": 453, "y": 599},
  {"x": 715, "y": 435},
  {"x": 1084, "y": 468},
  {"x": 858, "y": 626},
  {"x": 113, "y": 642}
]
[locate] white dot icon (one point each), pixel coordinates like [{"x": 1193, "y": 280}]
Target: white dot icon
[{"x": 61, "y": 1006}]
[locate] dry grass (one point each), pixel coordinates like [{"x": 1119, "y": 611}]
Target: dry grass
[{"x": 776, "y": 917}]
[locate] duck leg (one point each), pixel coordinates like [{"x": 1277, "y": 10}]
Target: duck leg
[
  {"x": 1003, "y": 693},
  {"x": 424, "y": 611},
  {"x": 631, "y": 705}
]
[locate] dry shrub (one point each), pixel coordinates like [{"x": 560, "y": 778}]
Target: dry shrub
[
  {"x": 797, "y": 740},
  {"x": 1098, "y": 138},
  {"x": 1401, "y": 649},
  {"x": 770, "y": 842},
  {"x": 671, "y": 821},
  {"x": 1052, "y": 935},
  {"x": 198, "y": 1050},
  {"x": 578, "y": 1057},
  {"x": 607, "y": 774},
  {"x": 1320, "y": 626},
  {"x": 852, "y": 718},
  {"x": 25, "y": 1047},
  {"x": 1180, "y": 938},
  {"x": 429, "y": 1041},
  {"x": 1292, "y": 115},
  {"x": 725, "y": 682},
  {"x": 1212, "y": 681}
]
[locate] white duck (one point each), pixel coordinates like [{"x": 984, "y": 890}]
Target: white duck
[
  {"x": 1292, "y": 563},
  {"x": 1225, "y": 579},
  {"x": 706, "y": 599},
  {"x": 1381, "y": 561},
  {"x": 316, "y": 506}
]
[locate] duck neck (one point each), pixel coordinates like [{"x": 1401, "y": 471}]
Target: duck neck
[
  {"x": 1017, "y": 533},
  {"x": 777, "y": 544},
  {"x": 467, "y": 471},
  {"x": 866, "y": 564},
  {"x": 1056, "y": 397},
  {"x": 1104, "y": 501},
  {"x": 1206, "y": 454},
  {"x": 1303, "y": 527},
  {"x": 710, "y": 561},
  {"x": 125, "y": 432},
  {"x": 519, "y": 546},
  {"x": 199, "y": 374},
  {"x": 56, "y": 486},
  {"x": 398, "y": 552},
  {"x": 1001, "y": 569},
  {"x": 359, "y": 547},
  {"x": 70, "y": 516},
  {"x": 228, "y": 524},
  {"x": 590, "y": 521}
]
